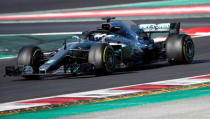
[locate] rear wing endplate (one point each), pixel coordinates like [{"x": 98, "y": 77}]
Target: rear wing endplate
[{"x": 171, "y": 28}]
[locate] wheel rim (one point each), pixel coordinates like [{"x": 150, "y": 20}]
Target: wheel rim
[
  {"x": 189, "y": 50},
  {"x": 109, "y": 60},
  {"x": 36, "y": 61}
]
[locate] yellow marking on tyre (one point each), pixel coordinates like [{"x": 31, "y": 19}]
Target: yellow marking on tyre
[
  {"x": 104, "y": 59},
  {"x": 104, "y": 54},
  {"x": 35, "y": 54},
  {"x": 36, "y": 51},
  {"x": 184, "y": 50}
]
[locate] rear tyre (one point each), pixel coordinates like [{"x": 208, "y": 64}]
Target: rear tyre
[
  {"x": 102, "y": 57},
  {"x": 30, "y": 56},
  {"x": 180, "y": 49}
]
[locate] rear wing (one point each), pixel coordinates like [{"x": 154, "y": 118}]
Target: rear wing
[{"x": 171, "y": 28}]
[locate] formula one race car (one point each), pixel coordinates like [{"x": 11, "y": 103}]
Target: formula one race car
[{"x": 113, "y": 45}]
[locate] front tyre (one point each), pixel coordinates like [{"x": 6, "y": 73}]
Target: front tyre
[
  {"x": 180, "y": 49},
  {"x": 30, "y": 56},
  {"x": 102, "y": 57}
]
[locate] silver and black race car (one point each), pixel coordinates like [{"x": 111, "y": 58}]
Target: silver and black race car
[{"x": 113, "y": 45}]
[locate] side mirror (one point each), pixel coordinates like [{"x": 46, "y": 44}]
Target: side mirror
[{"x": 110, "y": 36}]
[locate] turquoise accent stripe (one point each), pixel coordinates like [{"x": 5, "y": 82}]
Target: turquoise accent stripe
[{"x": 109, "y": 105}]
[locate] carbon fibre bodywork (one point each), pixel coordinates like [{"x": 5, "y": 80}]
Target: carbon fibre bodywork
[{"x": 132, "y": 46}]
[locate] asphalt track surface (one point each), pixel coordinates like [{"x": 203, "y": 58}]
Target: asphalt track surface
[
  {"x": 7, "y": 6},
  {"x": 16, "y": 88}
]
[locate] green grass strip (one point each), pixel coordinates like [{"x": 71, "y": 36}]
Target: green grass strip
[
  {"x": 7, "y": 56},
  {"x": 109, "y": 105},
  {"x": 10, "y": 44},
  {"x": 165, "y": 3}
]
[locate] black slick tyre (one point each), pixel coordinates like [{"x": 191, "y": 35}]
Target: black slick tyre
[
  {"x": 101, "y": 55},
  {"x": 180, "y": 49},
  {"x": 30, "y": 56}
]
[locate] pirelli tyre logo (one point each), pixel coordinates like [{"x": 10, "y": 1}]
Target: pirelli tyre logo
[{"x": 154, "y": 27}]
